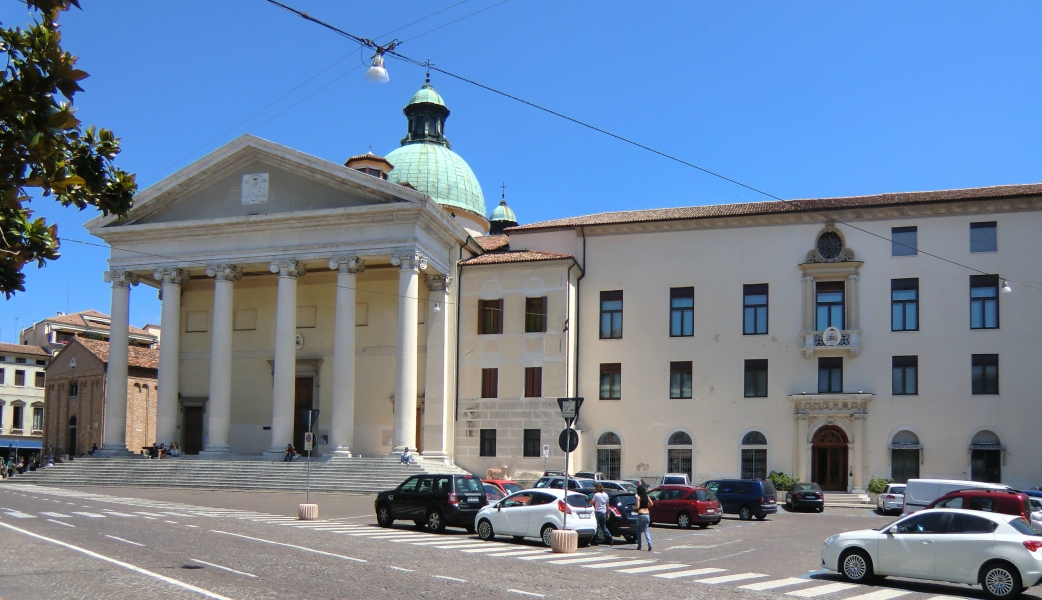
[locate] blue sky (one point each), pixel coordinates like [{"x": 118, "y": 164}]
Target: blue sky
[{"x": 802, "y": 100}]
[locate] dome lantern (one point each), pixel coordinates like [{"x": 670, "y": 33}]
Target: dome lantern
[{"x": 502, "y": 216}]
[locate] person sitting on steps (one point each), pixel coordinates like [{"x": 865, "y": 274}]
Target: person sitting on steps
[
  {"x": 406, "y": 457},
  {"x": 290, "y": 453}
]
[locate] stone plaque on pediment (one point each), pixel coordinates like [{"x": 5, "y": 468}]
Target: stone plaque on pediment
[{"x": 255, "y": 188}]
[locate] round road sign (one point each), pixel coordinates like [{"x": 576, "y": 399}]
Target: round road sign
[{"x": 569, "y": 440}]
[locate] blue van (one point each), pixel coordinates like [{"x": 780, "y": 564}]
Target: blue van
[{"x": 746, "y": 498}]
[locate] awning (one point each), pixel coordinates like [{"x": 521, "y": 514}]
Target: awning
[{"x": 26, "y": 444}]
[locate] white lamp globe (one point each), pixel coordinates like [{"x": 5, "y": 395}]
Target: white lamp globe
[{"x": 377, "y": 73}]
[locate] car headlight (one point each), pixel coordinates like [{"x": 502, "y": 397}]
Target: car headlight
[{"x": 830, "y": 540}]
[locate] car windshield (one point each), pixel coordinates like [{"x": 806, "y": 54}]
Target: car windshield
[
  {"x": 897, "y": 489},
  {"x": 511, "y": 487},
  {"x": 578, "y": 501},
  {"x": 768, "y": 488},
  {"x": 1026, "y": 527},
  {"x": 673, "y": 481},
  {"x": 806, "y": 487},
  {"x": 468, "y": 485},
  {"x": 629, "y": 487}
]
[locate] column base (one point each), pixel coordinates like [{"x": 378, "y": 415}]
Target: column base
[
  {"x": 114, "y": 451},
  {"x": 217, "y": 451},
  {"x": 339, "y": 452}
]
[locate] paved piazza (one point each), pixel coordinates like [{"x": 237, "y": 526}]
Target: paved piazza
[{"x": 172, "y": 543}]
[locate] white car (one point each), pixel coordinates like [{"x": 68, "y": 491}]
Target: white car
[
  {"x": 1002, "y": 553},
  {"x": 1036, "y": 509},
  {"x": 892, "y": 499},
  {"x": 535, "y": 513}
]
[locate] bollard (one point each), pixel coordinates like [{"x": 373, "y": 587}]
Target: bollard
[
  {"x": 564, "y": 541},
  {"x": 307, "y": 512}
]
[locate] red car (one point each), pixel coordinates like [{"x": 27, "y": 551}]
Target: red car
[
  {"x": 507, "y": 486},
  {"x": 1007, "y": 502},
  {"x": 685, "y": 505}
]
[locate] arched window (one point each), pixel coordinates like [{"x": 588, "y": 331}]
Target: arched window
[
  {"x": 986, "y": 457},
  {"x": 609, "y": 455},
  {"x": 905, "y": 456},
  {"x": 754, "y": 456},
  {"x": 679, "y": 454}
]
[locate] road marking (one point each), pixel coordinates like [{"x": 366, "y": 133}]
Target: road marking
[
  {"x": 524, "y": 593},
  {"x": 116, "y": 514},
  {"x": 192, "y": 526},
  {"x": 444, "y": 542},
  {"x": 517, "y": 553},
  {"x": 120, "y": 563},
  {"x": 703, "y": 547},
  {"x": 652, "y": 568},
  {"x": 458, "y": 546},
  {"x": 729, "y": 578},
  {"x": 171, "y": 522},
  {"x": 61, "y": 523},
  {"x": 17, "y": 515},
  {"x": 88, "y": 514},
  {"x": 147, "y": 514},
  {"x": 400, "y": 569},
  {"x": 456, "y": 579},
  {"x": 821, "y": 590},
  {"x": 583, "y": 559},
  {"x": 620, "y": 563},
  {"x": 174, "y": 514},
  {"x": 689, "y": 573},
  {"x": 55, "y": 515},
  {"x": 375, "y": 535},
  {"x": 290, "y": 546},
  {"x": 879, "y": 595},
  {"x": 203, "y": 562},
  {"x": 123, "y": 540},
  {"x": 777, "y": 583}
]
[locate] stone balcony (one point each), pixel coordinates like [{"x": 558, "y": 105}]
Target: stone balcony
[{"x": 813, "y": 342}]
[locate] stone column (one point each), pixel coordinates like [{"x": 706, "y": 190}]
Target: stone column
[
  {"x": 435, "y": 425},
  {"x": 411, "y": 263},
  {"x": 802, "y": 460},
  {"x": 117, "y": 379},
  {"x": 283, "y": 387},
  {"x": 852, "y": 318},
  {"x": 859, "y": 453},
  {"x": 809, "y": 304},
  {"x": 219, "y": 405},
  {"x": 169, "y": 349},
  {"x": 342, "y": 423}
]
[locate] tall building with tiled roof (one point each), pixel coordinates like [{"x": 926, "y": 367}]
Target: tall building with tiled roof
[
  {"x": 54, "y": 332},
  {"x": 22, "y": 380}
]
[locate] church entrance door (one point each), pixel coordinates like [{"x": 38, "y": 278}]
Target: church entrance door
[
  {"x": 193, "y": 430},
  {"x": 304, "y": 396},
  {"x": 829, "y": 453}
]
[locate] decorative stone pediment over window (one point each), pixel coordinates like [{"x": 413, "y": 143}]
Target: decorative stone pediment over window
[
  {"x": 830, "y": 247},
  {"x": 831, "y": 263}
]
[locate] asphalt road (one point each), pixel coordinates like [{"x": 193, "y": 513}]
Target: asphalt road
[{"x": 167, "y": 543}]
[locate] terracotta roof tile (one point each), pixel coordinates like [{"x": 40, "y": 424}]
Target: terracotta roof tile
[
  {"x": 513, "y": 257},
  {"x": 138, "y": 356},
  {"x": 493, "y": 242},
  {"x": 78, "y": 320},
  {"x": 23, "y": 349},
  {"x": 793, "y": 206}
]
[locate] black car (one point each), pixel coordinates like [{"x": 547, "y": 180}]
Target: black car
[
  {"x": 805, "y": 495},
  {"x": 621, "y": 517},
  {"x": 434, "y": 501},
  {"x": 746, "y": 498}
]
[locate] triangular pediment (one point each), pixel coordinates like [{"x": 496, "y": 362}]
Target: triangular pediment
[{"x": 252, "y": 176}]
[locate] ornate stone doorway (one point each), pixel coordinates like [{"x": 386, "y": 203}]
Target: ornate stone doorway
[{"x": 829, "y": 457}]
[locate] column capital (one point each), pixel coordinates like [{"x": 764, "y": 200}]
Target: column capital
[
  {"x": 410, "y": 260},
  {"x": 224, "y": 272},
  {"x": 438, "y": 283},
  {"x": 121, "y": 278},
  {"x": 288, "y": 268},
  {"x": 347, "y": 264},
  {"x": 853, "y": 277},
  {"x": 171, "y": 275}
]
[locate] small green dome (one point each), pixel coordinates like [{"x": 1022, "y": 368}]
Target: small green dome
[
  {"x": 503, "y": 213},
  {"x": 426, "y": 95},
  {"x": 438, "y": 172}
]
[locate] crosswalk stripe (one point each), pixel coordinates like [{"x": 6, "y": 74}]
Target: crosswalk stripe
[
  {"x": 439, "y": 542},
  {"x": 618, "y": 563},
  {"x": 879, "y": 595},
  {"x": 461, "y": 546},
  {"x": 117, "y": 514},
  {"x": 55, "y": 515},
  {"x": 690, "y": 573},
  {"x": 516, "y": 553},
  {"x": 18, "y": 515},
  {"x": 777, "y": 583},
  {"x": 583, "y": 559},
  {"x": 487, "y": 548},
  {"x": 88, "y": 514},
  {"x": 652, "y": 568},
  {"x": 821, "y": 590},
  {"x": 541, "y": 557},
  {"x": 379, "y": 536},
  {"x": 412, "y": 538},
  {"x": 729, "y": 578}
]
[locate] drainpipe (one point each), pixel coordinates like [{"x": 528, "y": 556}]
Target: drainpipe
[{"x": 577, "y": 291}]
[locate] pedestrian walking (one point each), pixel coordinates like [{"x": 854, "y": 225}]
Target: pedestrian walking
[
  {"x": 600, "y": 511},
  {"x": 644, "y": 503}
]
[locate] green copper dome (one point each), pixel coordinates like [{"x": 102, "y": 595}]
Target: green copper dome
[
  {"x": 503, "y": 213},
  {"x": 425, "y": 159}
]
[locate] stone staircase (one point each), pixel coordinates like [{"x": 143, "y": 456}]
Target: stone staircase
[
  {"x": 360, "y": 475},
  {"x": 844, "y": 500}
]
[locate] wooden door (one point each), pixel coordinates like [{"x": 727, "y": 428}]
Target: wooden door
[
  {"x": 303, "y": 397},
  {"x": 192, "y": 430},
  {"x": 829, "y": 455}
]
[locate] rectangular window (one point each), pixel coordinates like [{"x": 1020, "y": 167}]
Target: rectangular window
[
  {"x": 489, "y": 383},
  {"x": 830, "y": 375},
  {"x": 533, "y": 382},
  {"x": 985, "y": 373},
  {"x": 19, "y": 378},
  {"x": 681, "y": 312},
  {"x": 984, "y": 237},
  {"x": 906, "y": 375},
  {"x": 16, "y": 417},
  {"x": 984, "y": 301},
  {"x": 39, "y": 379},
  {"x": 830, "y": 304},
  {"x": 904, "y": 304},
  {"x": 756, "y": 378},
  {"x": 535, "y": 315},
  {"x": 754, "y": 321},
  {"x": 20, "y": 361},
  {"x": 488, "y": 442},
  {"x": 533, "y": 443},
  {"x": 74, "y": 388},
  {"x": 2, "y": 371},
  {"x": 611, "y": 381},
  {"x": 490, "y": 317},
  {"x": 904, "y": 241},
  {"x": 37, "y": 418},
  {"x": 611, "y": 315},
  {"x": 680, "y": 379}
]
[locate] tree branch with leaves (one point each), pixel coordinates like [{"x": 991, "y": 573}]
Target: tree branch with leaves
[{"x": 43, "y": 148}]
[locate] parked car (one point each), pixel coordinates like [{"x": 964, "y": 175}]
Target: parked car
[
  {"x": 557, "y": 482},
  {"x": 684, "y": 505},
  {"x": 505, "y": 486},
  {"x": 492, "y": 493},
  {"x": 805, "y": 495},
  {"x": 1007, "y": 502},
  {"x": 1002, "y": 553},
  {"x": 432, "y": 500},
  {"x": 746, "y": 498},
  {"x": 920, "y": 492},
  {"x": 622, "y": 485},
  {"x": 535, "y": 513},
  {"x": 892, "y": 499},
  {"x": 675, "y": 479},
  {"x": 594, "y": 475},
  {"x": 621, "y": 520},
  {"x": 1036, "y": 509}
]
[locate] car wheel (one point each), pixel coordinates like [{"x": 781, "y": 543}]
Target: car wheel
[
  {"x": 1000, "y": 580},
  {"x": 545, "y": 534},
  {"x": 630, "y": 538},
  {"x": 435, "y": 521},
  {"x": 761, "y": 517},
  {"x": 744, "y": 513},
  {"x": 856, "y": 566},
  {"x": 485, "y": 530},
  {"x": 383, "y": 516},
  {"x": 684, "y": 520}
]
